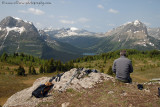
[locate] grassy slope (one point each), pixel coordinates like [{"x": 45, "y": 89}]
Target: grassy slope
[
  {"x": 110, "y": 94},
  {"x": 144, "y": 68},
  {"x": 10, "y": 83},
  {"x": 107, "y": 94}
]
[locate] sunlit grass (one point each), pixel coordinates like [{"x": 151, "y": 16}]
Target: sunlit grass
[
  {"x": 145, "y": 69},
  {"x": 11, "y": 83}
]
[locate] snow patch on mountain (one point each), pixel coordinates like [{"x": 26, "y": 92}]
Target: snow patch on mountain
[
  {"x": 17, "y": 18},
  {"x": 151, "y": 44},
  {"x": 28, "y": 22},
  {"x": 127, "y": 23},
  {"x": 17, "y": 48},
  {"x": 136, "y": 22},
  {"x": 1, "y": 47},
  {"x": 73, "y": 28},
  {"x": 16, "y": 29},
  {"x": 136, "y": 31},
  {"x": 142, "y": 44}
]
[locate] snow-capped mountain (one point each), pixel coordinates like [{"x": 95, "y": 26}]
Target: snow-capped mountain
[
  {"x": 131, "y": 35},
  {"x": 136, "y": 31},
  {"x": 74, "y": 36},
  {"x": 70, "y": 32},
  {"x": 17, "y": 35}
]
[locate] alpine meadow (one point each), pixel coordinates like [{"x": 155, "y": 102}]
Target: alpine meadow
[{"x": 79, "y": 53}]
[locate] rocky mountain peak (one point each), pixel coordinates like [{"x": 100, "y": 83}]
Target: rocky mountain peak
[
  {"x": 130, "y": 27},
  {"x": 15, "y": 22},
  {"x": 8, "y": 22},
  {"x": 134, "y": 33},
  {"x": 137, "y": 22}
]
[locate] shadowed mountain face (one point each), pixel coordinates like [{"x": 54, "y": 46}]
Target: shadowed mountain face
[{"x": 17, "y": 35}]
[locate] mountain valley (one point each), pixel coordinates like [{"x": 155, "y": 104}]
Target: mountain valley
[{"x": 17, "y": 35}]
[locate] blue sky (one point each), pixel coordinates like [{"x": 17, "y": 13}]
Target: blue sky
[{"x": 92, "y": 15}]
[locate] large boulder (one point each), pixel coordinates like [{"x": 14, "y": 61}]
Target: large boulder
[{"x": 75, "y": 79}]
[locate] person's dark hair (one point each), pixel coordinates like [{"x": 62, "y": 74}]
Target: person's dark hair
[{"x": 123, "y": 53}]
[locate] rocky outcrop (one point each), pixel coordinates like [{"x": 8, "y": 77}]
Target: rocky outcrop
[{"x": 75, "y": 79}]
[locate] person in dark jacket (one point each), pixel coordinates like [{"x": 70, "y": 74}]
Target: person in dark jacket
[{"x": 122, "y": 67}]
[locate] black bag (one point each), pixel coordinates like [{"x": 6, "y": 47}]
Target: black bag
[
  {"x": 42, "y": 90},
  {"x": 140, "y": 86},
  {"x": 158, "y": 91}
]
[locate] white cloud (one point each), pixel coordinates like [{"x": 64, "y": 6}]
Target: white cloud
[
  {"x": 32, "y": 11},
  {"x": 113, "y": 11},
  {"x": 100, "y": 6},
  {"x": 35, "y": 11},
  {"x": 83, "y": 20},
  {"x": 67, "y": 22}
]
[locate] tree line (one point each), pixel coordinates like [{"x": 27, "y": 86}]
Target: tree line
[
  {"x": 51, "y": 65},
  {"x": 30, "y": 62},
  {"x": 115, "y": 54}
]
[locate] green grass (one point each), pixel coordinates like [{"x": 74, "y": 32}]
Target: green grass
[
  {"x": 144, "y": 68},
  {"x": 11, "y": 83}
]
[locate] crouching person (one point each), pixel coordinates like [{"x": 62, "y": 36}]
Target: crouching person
[{"x": 122, "y": 67}]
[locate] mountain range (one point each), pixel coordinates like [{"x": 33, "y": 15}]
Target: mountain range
[{"x": 17, "y": 35}]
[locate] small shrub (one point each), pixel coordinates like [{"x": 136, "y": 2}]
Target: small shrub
[
  {"x": 7, "y": 68},
  {"x": 110, "y": 72},
  {"x": 158, "y": 64},
  {"x": 70, "y": 90},
  {"x": 102, "y": 70},
  {"x": 20, "y": 71}
]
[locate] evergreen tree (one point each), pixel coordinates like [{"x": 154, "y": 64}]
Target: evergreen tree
[
  {"x": 110, "y": 72},
  {"x": 30, "y": 71},
  {"x": 4, "y": 57},
  {"x": 21, "y": 71},
  {"x": 41, "y": 70},
  {"x": 33, "y": 71}
]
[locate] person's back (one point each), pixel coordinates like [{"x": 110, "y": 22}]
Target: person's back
[{"x": 123, "y": 67}]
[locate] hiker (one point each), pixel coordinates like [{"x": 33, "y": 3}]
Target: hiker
[{"x": 122, "y": 67}]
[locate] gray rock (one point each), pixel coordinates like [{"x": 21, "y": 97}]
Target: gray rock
[
  {"x": 110, "y": 92},
  {"x": 66, "y": 104},
  {"x": 82, "y": 80}
]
